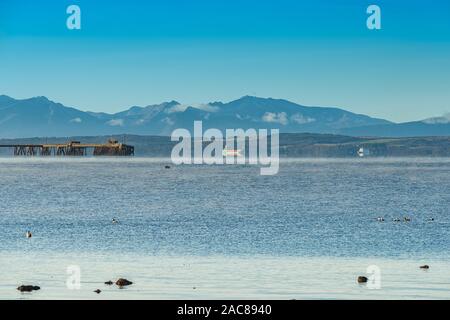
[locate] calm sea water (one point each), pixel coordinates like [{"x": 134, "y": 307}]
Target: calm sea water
[{"x": 225, "y": 231}]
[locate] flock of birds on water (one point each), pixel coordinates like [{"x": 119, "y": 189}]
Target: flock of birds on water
[
  {"x": 360, "y": 279},
  {"x": 28, "y": 234},
  {"x": 405, "y": 219}
]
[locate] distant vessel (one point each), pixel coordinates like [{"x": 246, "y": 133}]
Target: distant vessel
[
  {"x": 231, "y": 153},
  {"x": 361, "y": 152}
]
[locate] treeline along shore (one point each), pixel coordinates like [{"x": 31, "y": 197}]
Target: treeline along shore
[{"x": 292, "y": 145}]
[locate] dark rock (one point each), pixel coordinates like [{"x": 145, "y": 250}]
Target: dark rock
[
  {"x": 362, "y": 279},
  {"x": 123, "y": 282},
  {"x": 97, "y": 291},
  {"x": 425, "y": 266},
  {"x": 109, "y": 282},
  {"x": 27, "y": 288},
  {"x": 167, "y": 167}
]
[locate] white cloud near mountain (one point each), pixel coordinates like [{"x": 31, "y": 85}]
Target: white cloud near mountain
[
  {"x": 176, "y": 108},
  {"x": 183, "y": 107},
  {"x": 115, "y": 123},
  {"x": 208, "y": 108},
  {"x": 439, "y": 120},
  {"x": 273, "y": 117},
  {"x": 168, "y": 121},
  {"x": 301, "y": 119},
  {"x": 76, "y": 120}
]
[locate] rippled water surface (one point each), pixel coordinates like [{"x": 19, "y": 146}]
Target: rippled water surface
[{"x": 226, "y": 231}]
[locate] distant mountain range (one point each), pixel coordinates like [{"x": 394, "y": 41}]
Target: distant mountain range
[
  {"x": 41, "y": 117},
  {"x": 438, "y": 126}
]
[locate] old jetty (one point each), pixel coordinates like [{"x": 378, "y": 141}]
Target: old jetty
[{"x": 72, "y": 148}]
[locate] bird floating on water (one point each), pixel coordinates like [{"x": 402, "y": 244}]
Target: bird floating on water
[
  {"x": 114, "y": 220},
  {"x": 28, "y": 234}
]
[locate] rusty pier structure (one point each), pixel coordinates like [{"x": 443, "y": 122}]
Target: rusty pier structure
[{"x": 72, "y": 148}]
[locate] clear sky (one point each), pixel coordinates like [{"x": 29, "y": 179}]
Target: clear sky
[{"x": 318, "y": 52}]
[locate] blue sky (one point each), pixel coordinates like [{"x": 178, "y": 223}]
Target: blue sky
[{"x": 196, "y": 51}]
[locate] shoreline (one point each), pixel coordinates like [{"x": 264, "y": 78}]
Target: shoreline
[{"x": 228, "y": 278}]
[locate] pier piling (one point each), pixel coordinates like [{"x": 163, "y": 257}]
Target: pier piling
[{"x": 72, "y": 148}]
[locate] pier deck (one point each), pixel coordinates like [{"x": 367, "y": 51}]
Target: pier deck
[{"x": 72, "y": 148}]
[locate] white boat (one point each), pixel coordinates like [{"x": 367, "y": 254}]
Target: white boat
[
  {"x": 231, "y": 153},
  {"x": 361, "y": 152}
]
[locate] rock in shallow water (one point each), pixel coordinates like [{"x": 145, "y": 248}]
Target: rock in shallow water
[
  {"x": 123, "y": 282},
  {"x": 28, "y": 288},
  {"x": 362, "y": 279}
]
